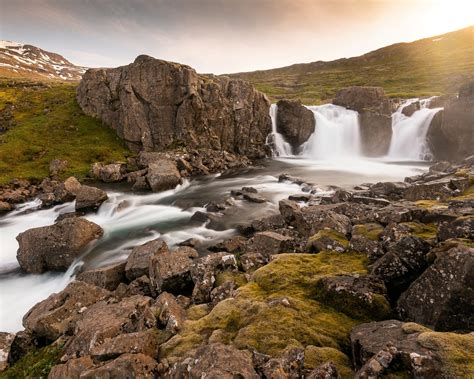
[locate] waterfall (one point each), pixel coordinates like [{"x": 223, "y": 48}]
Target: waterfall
[
  {"x": 336, "y": 134},
  {"x": 275, "y": 140},
  {"x": 409, "y": 133}
]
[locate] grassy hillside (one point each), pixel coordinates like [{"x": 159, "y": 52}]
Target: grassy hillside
[
  {"x": 431, "y": 66},
  {"x": 44, "y": 122}
]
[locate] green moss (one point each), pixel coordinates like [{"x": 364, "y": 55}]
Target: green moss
[
  {"x": 277, "y": 309},
  {"x": 430, "y": 204},
  {"x": 329, "y": 234},
  {"x": 195, "y": 312},
  {"x": 315, "y": 356},
  {"x": 413, "y": 327},
  {"x": 425, "y": 231},
  {"x": 49, "y": 124},
  {"x": 36, "y": 364},
  {"x": 456, "y": 352},
  {"x": 372, "y": 231},
  {"x": 467, "y": 194},
  {"x": 237, "y": 277}
]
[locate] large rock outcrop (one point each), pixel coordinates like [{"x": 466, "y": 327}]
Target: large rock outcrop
[
  {"x": 156, "y": 105},
  {"x": 451, "y": 132},
  {"x": 295, "y": 122},
  {"x": 374, "y": 115}
]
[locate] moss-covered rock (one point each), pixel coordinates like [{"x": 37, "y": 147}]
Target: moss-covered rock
[
  {"x": 277, "y": 309},
  {"x": 425, "y": 231},
  {"x": 36, "y": 364},
  {"x": 315, "y": 356},
  {"x": 372, "y": 230},
  {"x": 327, "y": 239}
]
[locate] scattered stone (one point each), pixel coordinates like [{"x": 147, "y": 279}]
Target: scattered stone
[
  {"x": 5, "y": 207},
  {"x": 124, "y": 367},
  {"x": 90, "y": 198},
  {"x": 411, "y": 108},
  {"x": 54, "y": 248},
  {"x": 170, "y": 313},
  {"x": 110, "y": 173},
  {"x": 327, "y": 239},
  {"x": 108, "y": 277},
  {"x": 325, "y": 371},
  {"x": 253, "y": 261},
  {"x": 269, "y": 243},
  {"x": 461, "y": 227},
  {"x": 163, "y": 175},
  {"x": 253, "y": 197},
  {"x": 138, "y": 262},
  {"x": 72, "y": 369}
]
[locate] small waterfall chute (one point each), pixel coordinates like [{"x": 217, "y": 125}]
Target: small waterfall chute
[
  {"x": 336, "y": 134},
  {"x": 275, "y": 140},
  {"x": 409, "y": 133}
]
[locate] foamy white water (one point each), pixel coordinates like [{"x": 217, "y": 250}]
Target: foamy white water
[
  {"x": 409, "y": 133},
  {"x": 280, "y": 147},
  {"x": 336, "y": 135}
]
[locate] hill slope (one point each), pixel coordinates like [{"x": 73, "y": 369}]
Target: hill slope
[
  {"x": 430, "y": 66},
  {"x": 27, "y": 61}
]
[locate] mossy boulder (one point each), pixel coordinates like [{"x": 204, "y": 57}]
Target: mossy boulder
[
  {"x": 371, "y": 231},
  {"x": 277, "y": 309},
  {"x": 315, "y": 356},
  {"x": 327, "y": 239}
]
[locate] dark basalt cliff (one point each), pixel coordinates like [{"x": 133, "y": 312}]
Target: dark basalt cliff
[{"x": 155, "y": 105}]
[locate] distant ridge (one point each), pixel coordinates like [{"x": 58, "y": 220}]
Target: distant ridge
[
  {"x": 430, "y": 66},
  {"x": 26, "y": 61}
]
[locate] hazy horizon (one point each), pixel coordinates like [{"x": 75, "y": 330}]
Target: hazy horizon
[{"x": 225, "y": 36}]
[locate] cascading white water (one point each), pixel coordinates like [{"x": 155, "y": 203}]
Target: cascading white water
[
  {"x": 280, "y": 147},
  {"x": 336, "y": 135},
  {"x": 409, "y": 133}
]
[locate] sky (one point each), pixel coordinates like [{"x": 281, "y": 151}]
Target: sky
[{"x": 225, "y": 36}]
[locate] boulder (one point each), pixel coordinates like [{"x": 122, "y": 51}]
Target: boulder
[
  {"x": 411, "y": 108},
  {"x": 253, "y": 261},
  {"x": 327, "y": 239},
  {"x": 124, "y": 367},
  {"x": 204, "y": 271},
  {"x": 289, "y": 365},
  {"x": 170, "y": 313},
  {"x": 450, "y": 135},
  {"x": 54, "y": 248},
  {"x": 155, "y": 105},
  {"x": 72, "y": 369},
  {"x": 399, "y": 212},
  {"x": 90, "y": 198},
  {"x": 5, "y": 207},
  {"x": 145, "y": 342},
  {"x": 436, "y": 189},
  {"x": 295, "y": 122},
  {"x": 215, "y": 361},
  {"x": 361, "y": 297},
  {"x": 138, "y": 262},
  {"x": 171, "y": 271},
  {"x": 163, "y": 175},
  {"x": 404, "y": 261},
  {"x": 6, "y": 340},
  {"x": 268, "y": 243},
  {"x": 325, "y": 371},
  {"x": 110, "y": 173},
  {"x": 443, "y": 296},
  {"x": 105, "y": 319},
  {"x": 373, "y": 249},
  {"x": 54, "y": 316},
  {"x": 374, "y": 115},
  {"x": 461, "y": 227},
  {"x": 390, "y": 190},
  {"x": 401, "y": 341},
  {"x": 108, "y": 277}
]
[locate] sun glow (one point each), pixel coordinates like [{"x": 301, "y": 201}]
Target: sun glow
[{"x": 446, "y": 15}]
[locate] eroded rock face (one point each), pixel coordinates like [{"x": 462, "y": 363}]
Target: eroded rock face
[
  {"x": 155, "y": 105},
  {"x": 54, "y": 248},
  {"x": 374, "y": 115},
  {"x": 124, "y": 367},
  {"x": 295, "y": 122},
  {"x": 451, "y": 135},
  {"x": 443, "y": 296}
]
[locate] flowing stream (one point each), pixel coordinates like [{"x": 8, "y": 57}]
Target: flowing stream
[{"x": 279, "y": 146}]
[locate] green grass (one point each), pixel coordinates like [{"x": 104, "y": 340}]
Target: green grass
[
  {"x": 50, "y": 125},
  {"x": 418, "y": 69}
]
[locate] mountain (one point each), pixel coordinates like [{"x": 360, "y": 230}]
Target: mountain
[
  {"x": 27, "y": 61},
  {"x": 430, "y": 66}
]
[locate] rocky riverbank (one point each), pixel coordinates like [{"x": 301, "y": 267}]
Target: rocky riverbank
[{"x": 367, "y": 283}]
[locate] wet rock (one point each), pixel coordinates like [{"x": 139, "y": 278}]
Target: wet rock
[
  {"x": 404, "y": 261},
  {"x": 272, "y": 222},
  {"x": 171, "y": 104},
  {"x": 269, "y": 243},
  {"x": 215, "y": 361},
  {"x": 72, "y": 185},
  {"x": 124, "y": 367},
  {"x": 57, "y": 167},
  {"x": 170, "y": 313},
  {"x": 327, "y": 239},
  {"x": 140, "y": 184},
  {"x": 110, "y": 173},
  {"x": 145, "y": 342},
  {"x": 54, "y": 248},
  {"x": 461, "y": 227},
  {"x": 171, "y": 271},
  {"x": 295, "y": 122},
  {"x": 163, "y": 175},
  {"x": 390, "y": 190},
  {"x": 108, "y": 277},
  {"x": 253, "y": 197},
  {"x": 443, "y": 296},
  {"x": 370, "y": 339},
  {"x": 72, "y": 369},
  {"x": 54, "y": 316},
  {"x": 204, "y": 271},
  {"x": 411, "y": 108},
  {"x": 90, "y": 198},
  {"x": 104, "y": 320},
  {"x": 6, "y": 340},
  {"x": 361, "y": 297},
  {"x": 303, "y": 197},
  {"x": 5, "y": 207},
  {"x": 138, "y": 262}
]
